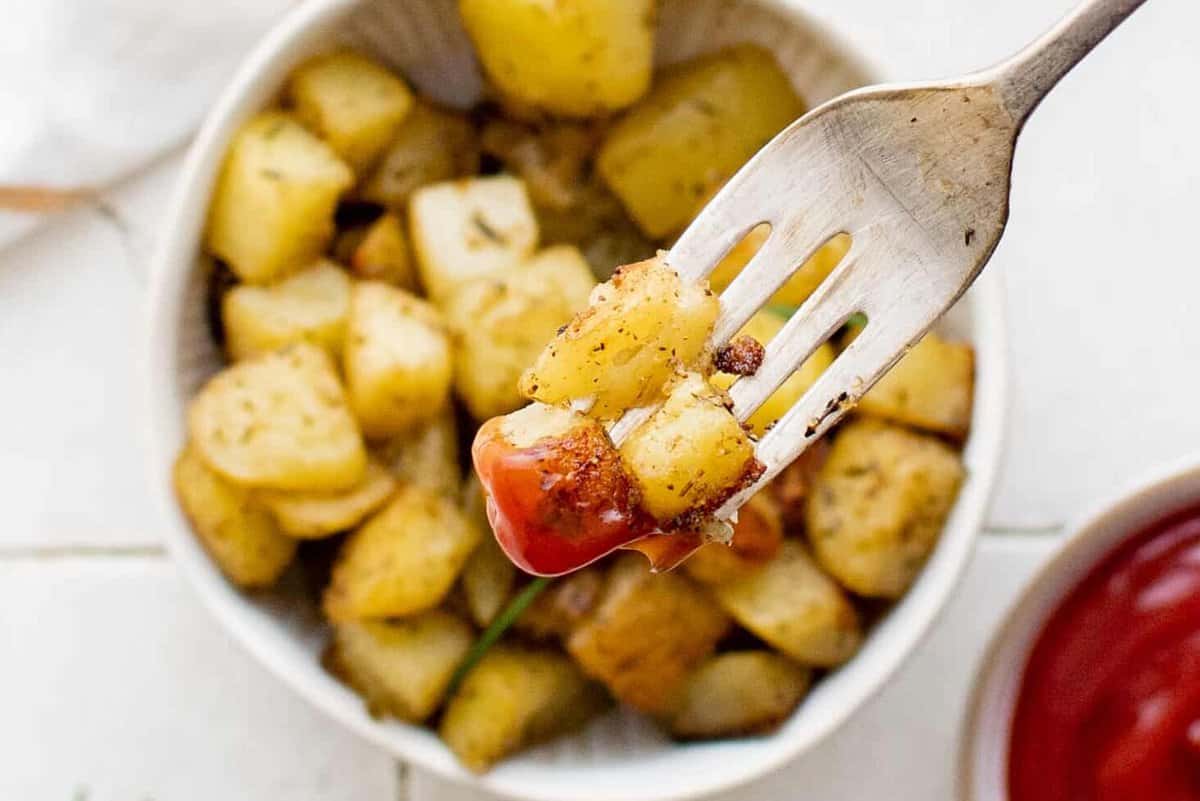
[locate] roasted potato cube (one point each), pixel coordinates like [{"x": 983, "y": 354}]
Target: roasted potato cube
[
  {"x": 580, "y": 58},
  {"x": 272, "y": 208},
  {"x": 241, "y": 536},
  {"x": 309, "y": 306},
  {"x": 691, "y": 454},
  {"x": 432, "y": 145},
  {"x": 700, "y": 123},
  {"x": 427, "y": 456},
  {"x": 641, "y": 327},
  {"x": 468, "y": 229},
  {"x": 562, "y": 606},
  {"x": 351, "y": 102},
  {"x": 397, "y": 360},
  {"x": 793, "y": 606},
  {"x": 279, "y": 421},
  {"x": 930, "y": 388},
  {"x": 382, "y": 254},
  {"x": 552, "y": 159},
  {"x": 878, "y": 505},
  {"x": 739, "y": 693},
  {"x": 487, "y": 581},
  {"x": 401, "y": 668},
  {"x": 647, "y": 633},
  {"x": 314, "y": 515},
  {"x": 501, "y": 324},
  {"x": 403, "y": 560},
  {"x": 757, "y": 538},
  {"x": 516, "y": 697},
  {"x": 802, "y": 283}
]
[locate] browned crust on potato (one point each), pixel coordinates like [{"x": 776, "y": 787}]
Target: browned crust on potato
[{"x": 743, "y": 356}]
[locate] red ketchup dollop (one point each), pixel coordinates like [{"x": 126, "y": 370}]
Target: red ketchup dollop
[{"x": 1109, "y": 708}]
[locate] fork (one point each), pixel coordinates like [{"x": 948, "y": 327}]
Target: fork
[{"x": 919, "y": 176}]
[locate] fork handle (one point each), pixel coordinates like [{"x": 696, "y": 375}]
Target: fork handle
[{"x": 1029, "y": 76}]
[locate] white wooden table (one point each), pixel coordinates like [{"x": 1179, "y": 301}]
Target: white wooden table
[{"x": 117, "y": 686}]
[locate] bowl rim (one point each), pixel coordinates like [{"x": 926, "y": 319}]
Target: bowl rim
[{"x": 178, "y": 246}]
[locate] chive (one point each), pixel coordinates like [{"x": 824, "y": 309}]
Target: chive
[
  {"x": 782, "y": 311},
  {"x": 496, "y": 629},
  {"x": 857, "y": 320}
]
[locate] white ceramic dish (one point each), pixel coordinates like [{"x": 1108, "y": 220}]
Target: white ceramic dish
[
  {"x": 984, "y": 755},
  {"x": 620, "y": 757}
]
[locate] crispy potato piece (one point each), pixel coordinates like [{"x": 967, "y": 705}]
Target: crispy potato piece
[
  {"x": 401, "y": 668},
  {"x": 581, "y": 58},
  {"x": 315, "y": 515},
  {"x": 240, "y": 536},
  {"x": 794, "y": 607},
  {"x": 878, "y": 505},
  {"x": 468, "y": 229},
  {"x": 279, "y": 421},
  {"x": 639, "y": 329},
  {"x": 427, "y": 456},
  {"x": 647, "y": 633},
  {"x": 397, "y": 360},
  {"x": 353, "y": 103},
  {"x": 403, "y": 560},
  {"x": 702, "y": 121},
  {"x": 432, "y": 145},
  {"x": 272, "y": 208},
  {"x": 563, "y": 605},
  {"x": 488, "y": 577},
  {"x": 739, "y": 693},
  {"x": 309, "y": 306},
  {"x": 552, "y": 159},
  {"x": 792, "y": 488},
  {"x": 516, "y": 697},
  {"x": 691, "y": 454},
  {"x": 802, "y": 283},
  {"x": 501, "y": 324},
  {"x": 382, "y": 254},
  {"x": 930, "y": 388},
  {"x": 757, "y": 538}
]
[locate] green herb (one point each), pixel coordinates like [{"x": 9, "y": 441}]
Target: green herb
[
  {"x": 857, "y": 320},
  {"x": 782, "y": 311},
  {"x": 496, "y": 630}
]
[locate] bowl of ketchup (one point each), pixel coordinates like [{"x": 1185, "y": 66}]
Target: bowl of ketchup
[{"x": 1090, "y": 690}]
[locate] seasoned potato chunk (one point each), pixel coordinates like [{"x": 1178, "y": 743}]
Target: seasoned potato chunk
[
  {"x": 647, "y": 633},
  {"x": 639, "y": 329},
  {"x": 700, "y": 123},
  {"x": 432, "y": 145},
  {"x": 468, "y": 229},
  {"x": 878, "y": 505},
  {"x": 563, "y": 605},
  {"x": 516, "y": 697},
  {"x": 578, "y": 58},
  {"x": 487, "y": 581},
  {"x": 738, "y": 693},
  {"x": 757, "y": 538},
  {"x": 403, "y": 560},
  {"x": 402, "y": 668},
  {"x": 397, "y": 359},
  {"x": 551, "y": 158},
  {"x": 691, "y": 454},
  {"x": 930, "y": 388},
  {"x": 279, "y": 421},
  {"x": 240, "y": 536},
  {"x": 272, "y": 208},
  {"x": 426, "y": 456},
  {"x": 382, "y": 254},
  {"x": 313, "y": 515},
  {"x": 353, "y": 103},
  {"x": 794, "y": 607},
  {"x": 310, "y": 306},
  {"x": 501, "y": 324},
  {"x": 802, "y": 283}
]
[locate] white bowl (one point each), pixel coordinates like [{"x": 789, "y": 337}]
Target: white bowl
[
  {"x": 620, "y": 757},
  {"x": 983, "y": 757}
]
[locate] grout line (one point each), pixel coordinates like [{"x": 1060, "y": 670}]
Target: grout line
[{"x": 51, "y": 553}]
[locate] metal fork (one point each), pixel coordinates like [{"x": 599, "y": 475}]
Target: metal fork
[{"x": 919, "y": 176}]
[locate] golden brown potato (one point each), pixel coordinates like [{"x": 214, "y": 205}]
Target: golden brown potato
[
  {"x": 501, "y": 324},
  {"x": 578, "y": 58},
  {"x": 279, "y": 421},
  {"x": 930, "y": 388},
  {"x": 427, "y": 456},
  {"x": 640, "y": 328},
  {"x": 240, "y": 536},
  {"x": 552, "y": 158},
  {"x": 488, "y": 577},
  {"x": 382, "y": 254},
  {"x": 401, "y": 668},
  {"x": 878, "y": 505},
  {"x": 397, "y": 360},
  {"x": 794, "y": 607},
  {"x": 351, "y": 102},
  {"x": 691, "y": 454},
  {"x": 314, "y": 515},
  {"x": 468, "y": 229},
  {"x": 802, "y": 283},
  {"x": 702, "y": 121},
  {"x": 516, "y": 697},
  {"x": 757, "y": 538},
  {"x": 647, "y": 633},
  {"x": 563, "y": 605},
  {"x": 403, "y": 560},
  {"x": 309, "y": 306},
  {"x": 272, "y": 208},
  {"x": 739, "y": 693},
  {"x": 431, "y": 146}
]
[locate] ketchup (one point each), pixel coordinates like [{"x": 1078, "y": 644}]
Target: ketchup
[{"x": 1109, "y": 708}]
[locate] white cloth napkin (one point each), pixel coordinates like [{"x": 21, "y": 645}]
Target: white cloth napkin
[{"x": 91, "y": 90}]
